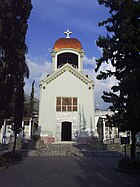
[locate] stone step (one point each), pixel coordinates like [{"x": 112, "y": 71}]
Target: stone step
[
  {"x": 72, "y": 150},
  {"x": 80, "y": 153},
  {"x": 72, "y": 146},
  {"x": 94, "y": 145}
]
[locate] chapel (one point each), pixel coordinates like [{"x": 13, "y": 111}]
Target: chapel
[{"x": 66, "y": 109}]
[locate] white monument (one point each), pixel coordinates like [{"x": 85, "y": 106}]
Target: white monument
[{"x": 66, "y": 108}]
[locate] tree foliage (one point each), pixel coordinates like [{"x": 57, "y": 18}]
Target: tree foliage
[
  {"x": 32, "y": 100},
  {"x": 121, "y": 48},
  {"x": 29, "y": 104},
  {"x": 13, "y": 68}
]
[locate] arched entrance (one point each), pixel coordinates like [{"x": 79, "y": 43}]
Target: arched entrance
[
  {"x": 70, "y": 58},
  {"x": 66, "y": 131}
]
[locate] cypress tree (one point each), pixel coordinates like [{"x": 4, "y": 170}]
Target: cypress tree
[
  {"x": 121, "y": 48},
  {"x": 13, "y": 68},
  {"x": 32, "y": 100}
]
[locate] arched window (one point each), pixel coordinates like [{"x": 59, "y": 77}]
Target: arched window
[{"x": 70, "y": 58}]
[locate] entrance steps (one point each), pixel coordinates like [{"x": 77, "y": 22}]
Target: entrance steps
[{"x": 72, "y": 149}]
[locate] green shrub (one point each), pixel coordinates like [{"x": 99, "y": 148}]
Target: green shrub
[
  {"x": 35, "y": 137},
  {"x": 3, "y": 161},
  {"x": 9, "y": 156},
  {"x": 129, "y": 164}
]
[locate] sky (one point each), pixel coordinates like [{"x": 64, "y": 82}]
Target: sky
[{"x": 48, "y": 21}]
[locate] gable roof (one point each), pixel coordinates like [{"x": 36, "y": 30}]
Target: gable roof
[{"x": 63, "y": 69}]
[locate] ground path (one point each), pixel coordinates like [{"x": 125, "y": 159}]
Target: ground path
[{"x": 67, "y": 172}]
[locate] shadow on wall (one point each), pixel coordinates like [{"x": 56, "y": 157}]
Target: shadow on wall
[{"x": 83, "y": 123}]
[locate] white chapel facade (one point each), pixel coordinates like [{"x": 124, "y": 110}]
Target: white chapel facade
[{"x": 66, "y": 108}]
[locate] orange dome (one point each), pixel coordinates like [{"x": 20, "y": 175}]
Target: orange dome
[{"x": 67, "y": 43}]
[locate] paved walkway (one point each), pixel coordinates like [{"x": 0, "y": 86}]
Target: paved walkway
[{"x": 67, "y": 172}]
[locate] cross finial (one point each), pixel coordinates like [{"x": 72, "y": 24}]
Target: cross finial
[{"x": 67, "y": 32}]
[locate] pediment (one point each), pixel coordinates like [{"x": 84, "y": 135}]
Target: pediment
[{"x": 63, "y": 69}]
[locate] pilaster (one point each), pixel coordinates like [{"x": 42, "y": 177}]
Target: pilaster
[{"x": 53, "y": 53}]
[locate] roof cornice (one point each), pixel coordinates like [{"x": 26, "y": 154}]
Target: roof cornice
[{"x": 63, "y": 69}]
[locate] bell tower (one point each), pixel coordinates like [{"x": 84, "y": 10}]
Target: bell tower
[{"x": 67, "y": 50}]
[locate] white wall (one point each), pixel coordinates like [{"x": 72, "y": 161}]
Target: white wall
[{"x": 66, "y": 85}]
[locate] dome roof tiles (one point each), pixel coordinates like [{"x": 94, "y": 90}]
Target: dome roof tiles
[{"x": 67, "y": 43}]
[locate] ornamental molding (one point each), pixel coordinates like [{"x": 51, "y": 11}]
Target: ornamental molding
[
  {"x": 63, "y": 50},
  {"x": 63, "y": 69}
]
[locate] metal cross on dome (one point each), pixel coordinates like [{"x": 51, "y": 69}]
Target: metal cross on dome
[{"x": 67, "y": 32}]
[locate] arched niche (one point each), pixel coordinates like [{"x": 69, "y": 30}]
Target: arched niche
[{"x": 70, "y": 58}]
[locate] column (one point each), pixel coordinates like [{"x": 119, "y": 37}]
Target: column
[
  {"x": 104, "y": 137},
  {"x": 53, "y": 60},
  {"x": 80, "y": 62},
  {"x": 30, "y": 128}
]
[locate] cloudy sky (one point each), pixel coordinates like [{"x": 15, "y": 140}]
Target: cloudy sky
[{"x": 48, "y": 21}]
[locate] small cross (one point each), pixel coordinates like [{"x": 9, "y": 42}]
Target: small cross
[{"x": 67, "y": 32}]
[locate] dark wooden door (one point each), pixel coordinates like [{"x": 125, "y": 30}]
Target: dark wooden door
[{"x": 66, "y": 131}]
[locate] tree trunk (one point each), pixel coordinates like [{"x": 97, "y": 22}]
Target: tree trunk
[
  {"x": 15, "y": 141},
  {"x": 133, "y": 145}
]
